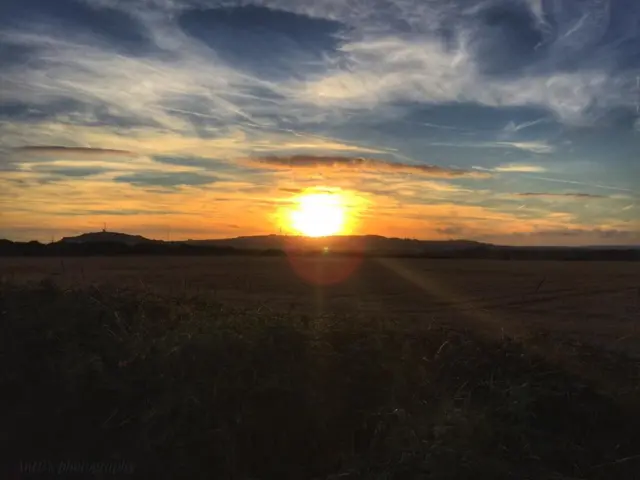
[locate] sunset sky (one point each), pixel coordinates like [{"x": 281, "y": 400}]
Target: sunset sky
[{"x": 512, "y": 121}]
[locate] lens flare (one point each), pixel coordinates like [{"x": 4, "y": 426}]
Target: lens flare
[{"x": 319, "y": 226}]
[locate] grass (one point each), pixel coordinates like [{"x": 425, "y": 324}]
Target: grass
[{"x": 182, "y": 386}]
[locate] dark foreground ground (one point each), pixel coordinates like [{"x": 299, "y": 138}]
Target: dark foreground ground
[{"x": 130, "y": 368}]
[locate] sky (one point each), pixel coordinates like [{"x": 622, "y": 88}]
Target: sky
[{"x": 509, "y": 121}]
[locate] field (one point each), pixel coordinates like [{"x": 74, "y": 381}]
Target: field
[{"x": 318, "y": 368}]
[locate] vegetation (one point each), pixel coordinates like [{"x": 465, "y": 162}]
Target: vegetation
[
  {"x": 183, "y": 386},
  {"x": 277, "y": 246}
]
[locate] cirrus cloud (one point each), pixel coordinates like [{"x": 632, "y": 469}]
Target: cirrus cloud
[
  {"x": 520, "y": 168},
  {"x": 570, "y": 195},
  {"x": 360, "y": 163}
]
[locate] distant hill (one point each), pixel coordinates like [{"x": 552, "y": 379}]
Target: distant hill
[
  {"x": 338, "y": 243},
  {"x": 114, "y": 243},
  {"x": 107, "y": 237}
]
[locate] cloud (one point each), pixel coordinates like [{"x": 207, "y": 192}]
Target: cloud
[
  {"x": 395, "y": 69},
  {"x": 519, "y": 168},
  {"x": 512, "y": 168},
  {"x": 560, "y": 73},
  {"x": 186, "y": 76},
  {"x": 69, "y": 171},
  {"x": 297, "y": 191},
  {"x": 115, "y": 213},
  {"x": 456, "y": 231},
  {"x": 442, "y": 127},
  {"x": 84, "y": 70},
  {"x": 198, "y": 162},
  {"x": 58, "y": 151},
  {"x": 576, "y": 196},
  {"x": 586, "y": 184},
  {"x": 158, "y": 142},
  {"x": 513, "y": 127},
  {"x": 586, "y": 236},
  {"x": 532, "y": 147},
  {"x": 80, "y": 162},
  {"x": 445, "y": 219},
  {"x": 359, "y": 163},
  {"x": 170, "y": 179}
]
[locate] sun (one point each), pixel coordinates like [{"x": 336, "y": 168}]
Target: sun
[{"x": 319, "y": 214}]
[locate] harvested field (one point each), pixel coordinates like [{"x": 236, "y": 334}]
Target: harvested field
[{"x": 241, "y": 368}]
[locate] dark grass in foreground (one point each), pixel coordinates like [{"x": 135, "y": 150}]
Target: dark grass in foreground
[{"x": 188, "y": 388}]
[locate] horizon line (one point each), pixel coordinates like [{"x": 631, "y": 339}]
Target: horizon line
[{"x": 486, "y": 243}]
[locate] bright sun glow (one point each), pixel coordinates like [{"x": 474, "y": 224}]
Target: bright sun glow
[{"x": 319, "y": 214}]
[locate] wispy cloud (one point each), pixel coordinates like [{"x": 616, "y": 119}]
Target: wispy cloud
[
  {"x": 59, "y": 151},
  {"x": 532, "y": 147},
  {"x": 586, "y": 184},
  {"x": 570, "y": 195},
  {"x": 153, "y": 141},
  {"x": 442, "y": 127},
  {"x": 394, "y": 69},
  {"x": 301, "y": 161},
  {"x": 580, "y": 236},
  {"x": 165, "y": 179},
  {"x": 520, "y": 168},
  {"x": 513, "y": 127},
  {"x": 69, "y": 171},
  {"x": 513, "y": 168},
  {"x": 191, "y": 79}
]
